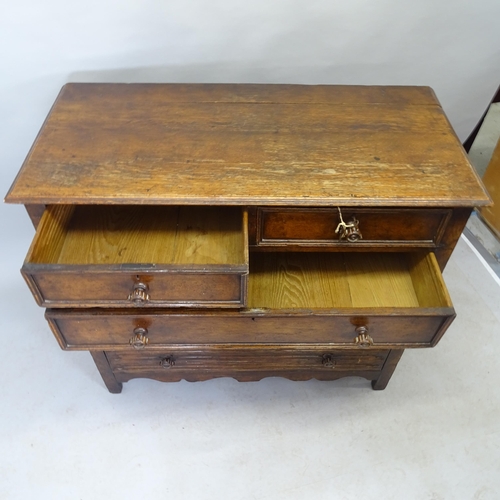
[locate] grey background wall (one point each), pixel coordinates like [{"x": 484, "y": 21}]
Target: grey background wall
[{"x": 451, "y": 45}]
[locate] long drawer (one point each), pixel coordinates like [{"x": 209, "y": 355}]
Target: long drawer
[
  {"x": 346, "y": 300},
  {"x": 199, "y": 362},
  {"x": 375, "y": 227},
  {"x": 139, "y": 256}
]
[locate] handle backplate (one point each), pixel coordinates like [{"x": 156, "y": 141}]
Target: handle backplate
[
  {"x": 362, "y": 338},
  {"x": 327, "y": 361},
  {"x": 139, "y": 294},
  {"x": 140, "y": 339},
  {"x": 348, "y": 230},
  {"x": 167, "y": 362}
]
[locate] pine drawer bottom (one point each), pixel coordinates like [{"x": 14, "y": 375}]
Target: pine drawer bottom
[{"x": 246, "y": 363}]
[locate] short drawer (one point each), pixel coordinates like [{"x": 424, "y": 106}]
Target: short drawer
[
  {"x": 378, "y": 227},
  {"x": 139, "y": 256},
  {"x": 201, "y": 362},
  {"x": 351, "y": 300}
]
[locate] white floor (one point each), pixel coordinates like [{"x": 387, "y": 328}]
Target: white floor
[{"x": 434, "y": 433}]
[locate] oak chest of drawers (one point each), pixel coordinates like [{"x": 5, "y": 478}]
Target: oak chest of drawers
[{"x": 199, "y": 231}]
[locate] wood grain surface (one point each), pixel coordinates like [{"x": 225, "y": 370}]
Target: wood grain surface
[
  {"x": 97, "y": 256},
  {"x": 292, "y": 297},
  {"x": 247, "y": 144},
  {"x": 98, "y": 235},
  {"x": 326, "y": 280},
  {"x": 109, "y": 264},
  {"x": 378, "y": 226},
  {"x": 491, "y": 180},
  {"x": 113, "y": 328}
]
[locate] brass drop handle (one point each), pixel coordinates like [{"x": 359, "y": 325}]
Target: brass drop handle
[
  {"x": 140, "y": 339},
  {"x": 362, "y": 338},
  {"x": 139, "y": 294},
  {"x": 327, "y": 361},
  {"x": 167, "y": 362},
  {"x": 348, "y": 230}
]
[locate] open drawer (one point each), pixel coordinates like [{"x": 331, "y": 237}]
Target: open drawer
[
  {"x": 132, "y": 256},
  {"x": 346, "y": 300}
]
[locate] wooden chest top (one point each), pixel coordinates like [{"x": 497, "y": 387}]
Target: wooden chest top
[{"x": 247, "y": 145}]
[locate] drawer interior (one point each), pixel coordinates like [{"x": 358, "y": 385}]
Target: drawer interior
[
  {"x": 163, "y": 235},
  {"x": 284, "y": 280},
  {"x": 399, "y": 298}
]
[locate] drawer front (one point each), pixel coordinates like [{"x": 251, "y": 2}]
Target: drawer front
[
  {"x": 142, "y": 289},
  {"x": 182, "y": 361},
  {"x": 146, "y": 256},
  {"x": 103, "y": 329},
  {"x": 379, "y": 227}
]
